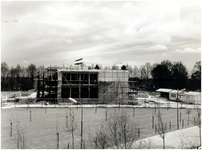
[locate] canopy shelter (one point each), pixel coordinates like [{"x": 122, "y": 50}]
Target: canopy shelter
[{"x": 164, "y": 92}]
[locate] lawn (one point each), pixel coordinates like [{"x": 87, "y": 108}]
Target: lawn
[{"x": 41, "y": 131}]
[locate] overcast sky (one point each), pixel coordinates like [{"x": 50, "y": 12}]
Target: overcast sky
[{"x": 57, "y": 33}]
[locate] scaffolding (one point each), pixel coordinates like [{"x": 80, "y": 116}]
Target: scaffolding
[{"x": 86, "y": 86}]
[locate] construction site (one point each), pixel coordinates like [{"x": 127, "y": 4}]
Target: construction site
[
  {"x": 87, "y": 86},
  {"x": 55, "y": 85}
]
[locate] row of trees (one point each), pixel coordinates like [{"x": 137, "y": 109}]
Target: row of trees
[
  {"x": 167, "y": 75},
  {"x": 163, "y": 75},
  {"x": 19, "y": 77}
]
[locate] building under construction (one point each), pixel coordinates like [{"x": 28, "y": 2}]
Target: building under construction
[{"x": 86, "y": 85}]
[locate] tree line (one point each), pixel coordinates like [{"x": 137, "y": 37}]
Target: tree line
[
  {"x": 149, "y": 76},
  {"x": 19, "y": 77},
  {"x": 166, "y": 75}
]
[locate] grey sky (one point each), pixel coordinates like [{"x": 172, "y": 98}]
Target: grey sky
[{"x": 131, "y": 32}]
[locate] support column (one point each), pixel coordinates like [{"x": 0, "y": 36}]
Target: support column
[
  {"x": 89, "y": 85},
  {"x": 59, "y": 84},
  {"x": 79, "y": 87},
  {"x": 70, "y": 82}
]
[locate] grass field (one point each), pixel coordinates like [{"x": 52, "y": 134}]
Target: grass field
[{"x": 41, "y": 131}]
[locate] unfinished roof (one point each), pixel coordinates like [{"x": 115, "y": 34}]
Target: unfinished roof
[
  {"x": 193, "y": 93},
  {"x": 164, "y": 90}
]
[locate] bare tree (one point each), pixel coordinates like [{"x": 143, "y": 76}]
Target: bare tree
[
  {"x": 115, "y": 67},
  {"x": 136, "y": 72},
  {"x": 72, "y": 126},
  {"x": 40, "y": 70},
  {"x": 122, "y": 131},
  {"x": 100, "y": 66},
  {"x": 161, "y": 127},
  {"x": 18, "y": 72},
  {"x": 4, "y": 75},
  {"x": 144, "y": 144},
  {"x": 31, "y": 71},
  {"x": 92, "y": 66},
  {"x": 113, "y": 130},
  {"x": 119, "y": 132},
  {"x": 106, "y": 68},
  {"x": 142, "y": 72},
  {"x": 100, "y": 141},
  {"x": 148, "y": 71},
  {"x": 4, "y": 69},
  {"x": 19, "y": 136},
  {"x": 127, "y": 131},
  {"x": 130, "y": 70},
  {"x": 185, "y": 143}
]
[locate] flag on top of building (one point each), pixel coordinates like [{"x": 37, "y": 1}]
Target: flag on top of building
[{"x": 78, "y": 61}]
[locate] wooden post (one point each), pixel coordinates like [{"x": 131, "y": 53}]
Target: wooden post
[
  {"x": 170, "y": 125},
  {"x": 194, "y": 120},
  {"x": 30, "y": 116},
  {"x": 11, "y": 129},
  {"x": 138, "y": 133},
  {"x": 182, "y": 123},
  {"x": 66, "y": 120},
  {"x": 152, "y": 122},
  {"x": 57, "y": 140},
  {"x": 96, "y": 142},
  {"x": 106, "y": 115},
  {"x": 133, "y": 112},
  {"x": 180, "y": 117},
  {"x": 155, "y": 129}
]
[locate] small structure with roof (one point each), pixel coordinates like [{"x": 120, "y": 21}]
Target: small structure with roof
[
  {"x": 192, "y": 97},
  {"x": 164, "y": 92},
  {"x": 174, "y": 94}
]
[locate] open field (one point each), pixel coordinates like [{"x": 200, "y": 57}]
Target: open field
[{"x": 41, "y": 131}]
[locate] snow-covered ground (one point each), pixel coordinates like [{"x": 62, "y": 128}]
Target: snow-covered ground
[{"x": 149, "y": 102}]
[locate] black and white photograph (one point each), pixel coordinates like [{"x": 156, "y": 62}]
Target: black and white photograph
[{"x": 101, "y": 74}]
